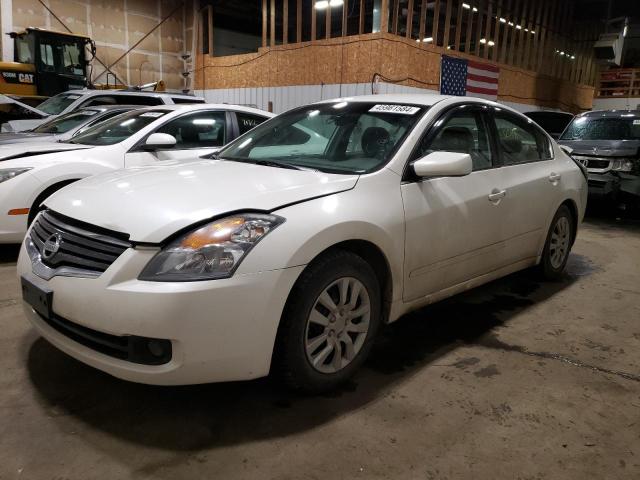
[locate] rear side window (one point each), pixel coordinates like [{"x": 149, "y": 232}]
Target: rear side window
[
  {"x": 247, "y": 121},
  {"x": 520, "y": 141},
  {"x": 197, "y": 130},
  {"x": 187, "y": 100},
  {"x": 123, "y": 100}
]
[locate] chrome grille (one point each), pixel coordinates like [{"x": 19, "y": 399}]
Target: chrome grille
[
  {"x": 59, "y": 244},
  {"x": 593, "y": 163}
]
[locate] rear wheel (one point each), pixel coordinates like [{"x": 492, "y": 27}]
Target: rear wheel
[
  {"x": 558, "y": 245},
  {"x": 330, "y": 322}
]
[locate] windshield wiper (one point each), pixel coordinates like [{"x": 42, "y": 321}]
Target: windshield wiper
[{"x": 268, "y": 163}]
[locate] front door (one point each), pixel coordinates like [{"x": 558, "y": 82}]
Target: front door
[
  {"x": 454, "y": 225},
  {"x": 198, "y": 133}
]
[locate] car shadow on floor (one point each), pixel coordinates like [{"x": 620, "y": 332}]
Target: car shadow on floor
[{"x": 191, "y": 418}]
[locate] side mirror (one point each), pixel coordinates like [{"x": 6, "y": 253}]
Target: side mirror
[
  {"x": 157, "y": 141},
  {"x": 443, "y": 164},
  {"x": 566, "y": 149}
]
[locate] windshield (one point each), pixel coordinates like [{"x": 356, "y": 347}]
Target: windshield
[
  {"x": 64, "y": 123},
  {"x": 339, "y": 137},
  {"x": 57, "y": 103},
  {"x": 118, "y": 128},
  {"x": 603, "y": 128}
]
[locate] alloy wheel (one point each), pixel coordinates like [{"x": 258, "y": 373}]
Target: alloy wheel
[
  {"x": 560, "y": 241},
  {"x": 337, "y": 325}
]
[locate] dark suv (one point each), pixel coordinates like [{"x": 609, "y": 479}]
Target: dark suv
[{"x": 608, "y": 144}]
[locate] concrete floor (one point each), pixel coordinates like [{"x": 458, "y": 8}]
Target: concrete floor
[{"x": 518, "y": 379}]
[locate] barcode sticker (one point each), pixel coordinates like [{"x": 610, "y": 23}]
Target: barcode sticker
[
  {"x": 636, "y": 122},
  {"x": 401, "y": 109},
  {"x": 152, "y": 114}
]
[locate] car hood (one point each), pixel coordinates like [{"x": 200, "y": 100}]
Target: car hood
[
  {"x": 23, "y": 137},
  {"x": 152, "y": 203},
  {"x": 603, "y": 148},
  {"x": 14, "y": 151}
]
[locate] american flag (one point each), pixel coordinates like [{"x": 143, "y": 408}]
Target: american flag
[{"x": 461, "y": 77}]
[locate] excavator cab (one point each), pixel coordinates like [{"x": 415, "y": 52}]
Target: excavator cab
[{"x": 47, "y": 62}]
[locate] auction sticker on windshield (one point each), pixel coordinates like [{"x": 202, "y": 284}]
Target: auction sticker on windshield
[{"x": 402, "y": 109}]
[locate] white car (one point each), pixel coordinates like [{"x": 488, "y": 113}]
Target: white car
[
  {"x": 72, "y": 100},
  {"x": 228, "y": 268},
  {"x": 31, "y": 172}
]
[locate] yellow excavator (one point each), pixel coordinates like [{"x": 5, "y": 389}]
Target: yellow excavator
[{"x": 46, "y": 63}]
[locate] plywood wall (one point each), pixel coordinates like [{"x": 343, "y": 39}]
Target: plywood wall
[
  {"x": 117, "y": 25},
  {"x": 355, "y": 59}
]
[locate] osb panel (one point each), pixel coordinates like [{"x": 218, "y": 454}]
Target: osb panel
[
  {"x": 107, "y": 24},
  {"x": 171, "y": 34},
  {"x": 109, "y": 55},
  {"x": 360, "y": 57}
]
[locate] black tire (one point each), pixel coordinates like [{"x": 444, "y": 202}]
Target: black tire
[
  {"x": 291, "y": 361},
  {"x": 550, "y": 267}
]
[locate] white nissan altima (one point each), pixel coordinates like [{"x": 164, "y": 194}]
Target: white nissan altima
[{"x": 288, "y": 250}]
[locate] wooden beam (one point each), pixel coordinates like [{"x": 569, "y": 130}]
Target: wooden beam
[
  {"x": 514, "y": 34},
  {"x": 410, "y": 19},
  {"x": 535, "y": 37},
  {"x": 384, "y": 16},
  {"x": 285, "y": 22},
  {"x": 299, "y": 21},
  {"x": 313, "y": 24},
  {"x": 447, "y": 24},
  {"x": 507, "y": 32},
  {"x": 456, "y": 45},
  {"x": 423, "y": 17},
  {"x": 264, "y": 23},
  {"x": 521, "y": 33},
  {"x": 273, "y": 23},
  {"x": 436, "y": 21},
  {"x": 478, "y": 20},
  {"x": 487, "y": 30},
  {"x": 467, "y": 37},
  {"x": 345, "y": 15},
  {"x": 542, "y": 40},
  {"x": 496, "y": 32},
  {"x": 327, "y": 23},
  {"x": 396, "y": 7},
  {"x": 361, "y": 18}
]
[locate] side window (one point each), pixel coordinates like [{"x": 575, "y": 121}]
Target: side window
[
  {"x": 99, "y": 100},
  {"x": 178, "y": 100},
  {"x": 197, "y": 130},
  {"x": 102, "y": 118},
  {"x": 247, "y": 121},
  {"x": 46, "y": 57},
  {"x": 519, "y": 141},
  {"x": 463, "y": 132},
  {"x": 138, "y": 100}
]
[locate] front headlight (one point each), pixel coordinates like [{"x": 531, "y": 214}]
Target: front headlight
[
  {"x": 212, "y": 251},
  {"x": 9, "y": 173},
  {"x": 622, "y": 165}
]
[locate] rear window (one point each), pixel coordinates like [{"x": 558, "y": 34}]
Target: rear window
[
  {"x": 64, "y": 123},
  {"x": 147, "y": 100}
]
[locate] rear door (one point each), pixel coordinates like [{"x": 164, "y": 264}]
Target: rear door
[
  {"x": 196, "y": 133},
  {"x": 533, "y": 184},
  {"x": 454, "y": 225}
]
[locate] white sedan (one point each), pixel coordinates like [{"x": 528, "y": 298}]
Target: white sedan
[
  {"x": 31, "y": 172},
  {"x": 287, "y": 253}
]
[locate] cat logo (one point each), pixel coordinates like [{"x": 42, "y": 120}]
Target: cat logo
[{"x": 25, "y": 77}]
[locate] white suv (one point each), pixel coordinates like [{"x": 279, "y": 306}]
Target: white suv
[
  {"x": 31, "y": 172},
  {"x": 74, "y": 99}
]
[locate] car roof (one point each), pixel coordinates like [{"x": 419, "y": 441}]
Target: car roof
[
  {"x": 106, "y": 108},
  {"x": 611, "y": 113},
  {"x": 209, "y": 106},
  {"x": 422, "y": 99}
]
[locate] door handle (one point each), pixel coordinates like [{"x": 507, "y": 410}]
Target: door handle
[
  {"x": 554, "y": 177},
  {"x": 496, "y": 195}
]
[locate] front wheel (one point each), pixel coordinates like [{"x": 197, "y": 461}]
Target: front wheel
[
  {"x": 329, "y": 323},
  {"x": 558, "y": 244}
]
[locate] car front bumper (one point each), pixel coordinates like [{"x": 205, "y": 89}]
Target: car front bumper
[
  {"x": 220, "y": 330},
  {"x": 603, "y": 184}
]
